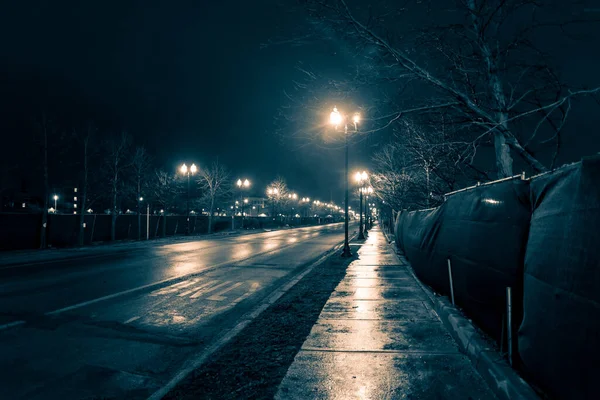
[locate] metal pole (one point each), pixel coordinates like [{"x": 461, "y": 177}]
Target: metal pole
[
  {"x": 187, "y": 214},
  {"x": 361, "y": 234},
  {"x": 366, "y": 214},
  {"x": 451, "y": 283},
  {"x": 346, "y": 252},
  {"x": 148, "y": 222},
  {"x": 509, "y": 324}
]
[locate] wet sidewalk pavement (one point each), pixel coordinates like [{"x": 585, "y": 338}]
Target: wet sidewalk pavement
[{"x": 377, "y": 337}]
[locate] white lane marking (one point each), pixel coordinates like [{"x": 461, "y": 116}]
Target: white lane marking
[
  {"x": 132, "y": 319},
  {"x": 244, "y": 296},
  {"x": 219, "y": 296},
  {"x": 173, "y": 288},
  {"x": 201, "y": 292},
  {"x": 11, "y": 324},
  {"x": 196, "y": 288}
]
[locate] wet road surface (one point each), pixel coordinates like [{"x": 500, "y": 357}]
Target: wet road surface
[{"x": 122, "y": 323}]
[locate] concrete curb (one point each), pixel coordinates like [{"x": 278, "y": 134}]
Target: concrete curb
[{"x": 493, "y": 368}]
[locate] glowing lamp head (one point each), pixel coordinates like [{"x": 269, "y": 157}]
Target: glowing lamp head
[
  {"x": 364, "y": 176},
  {"x": 239, "y": 183},
  {"x": 335, "y": 117},
  {"x": 246, "y": 183},
  {"x": 356, "y": 119},
  {"x": 184, "y": 169},
  {"x": 55, "y": 197},
  {"x": 358, "y": 177},
  {"x": 193, "y": 169}
]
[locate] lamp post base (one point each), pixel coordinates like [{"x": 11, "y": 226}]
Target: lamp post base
[
  {"x": 346, "y": 252},
  {"x": 361, "y": 235}
]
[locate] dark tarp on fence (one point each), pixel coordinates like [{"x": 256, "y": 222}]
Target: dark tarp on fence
[
  {"x": 483, "y": 231},
  {"x": 559, "y": 338}
]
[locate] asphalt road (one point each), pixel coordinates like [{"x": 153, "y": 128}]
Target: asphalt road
[{"x": 121, "y": 324}]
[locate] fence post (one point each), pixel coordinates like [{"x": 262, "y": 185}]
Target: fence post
[
  {"x": 509, "y": 323},
  {"x": 148, "y": 222},
  {"x": 451, "y": 283}
]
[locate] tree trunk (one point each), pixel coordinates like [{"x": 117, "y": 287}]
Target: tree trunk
[
  {"x": 113, "y": 219},
  {"x": 139, "y": 213},
  {"x": 504, "y": 159},
  {"x": 210, "y": 214},
  {"x": 81, "y": 235},
  {"x": 164, "y": 225},
  {"x": 43, "y": 232}
]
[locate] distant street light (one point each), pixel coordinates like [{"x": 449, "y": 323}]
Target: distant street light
[
  {"x": 292, "y": 197},
  {"x": 336, "y": 119},
  {"x": 272, "y": 193},
  {"x": 55, "y": 197},
  {"x": 361, "y": 177},
  {"x": 187, "y": 171},
  {"x": 245, "y": 184}
]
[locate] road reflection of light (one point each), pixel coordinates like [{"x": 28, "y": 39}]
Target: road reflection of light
[
  {"x": 185, "y": 267},
  {"x": 270, "y": 245},
  {"x": 242, "y": 251},
  {"x": 292, "y": 240},
  {"x": 169, "y": 248}
]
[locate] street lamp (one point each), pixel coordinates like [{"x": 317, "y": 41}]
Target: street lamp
[
  {"x": 336, "y": 120},
  {"x": 368, "y": 192},
  {"x": 242, "y": 184},
  {"x": 361, "y": 177},
  {"x": 272, "y": 193},
  {"x": 292, "y": 197},
  {"x": 188, "y": 171},
  {"x": 55, "y": 197}
]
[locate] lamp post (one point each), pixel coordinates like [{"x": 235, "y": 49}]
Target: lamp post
[
  {"x": 368, "y": 192},
  {"x": 360, "y": 178},
  {"x": 139, "y": 213},
  {"x": 55, "y": 197},
  {"x": 336, "y": 119},
  {"x": 292, "y": 197},
  {"x": 306, "y": 200},
  {"x": 242, "y": 184},
  {"x": 188, "y": 171}
]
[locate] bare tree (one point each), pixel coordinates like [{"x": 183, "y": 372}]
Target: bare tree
[
  {"x": 141, "y": 165},
  {"x": 420, "y": 165},
  {"x": 479, "y": 63},
  {"x": 44, "y": 127},
  {"x": 165, "y": 189},
  {"x": 277, "y": 192},
  {"x": 214, "y": 182},
  {"x": 117, "y": 152}
]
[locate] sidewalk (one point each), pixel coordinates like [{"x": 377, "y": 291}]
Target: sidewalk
[{"x": 377, "y": 337}]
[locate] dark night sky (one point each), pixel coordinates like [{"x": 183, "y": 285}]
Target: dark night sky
[{"x": 189, "y": 79}]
